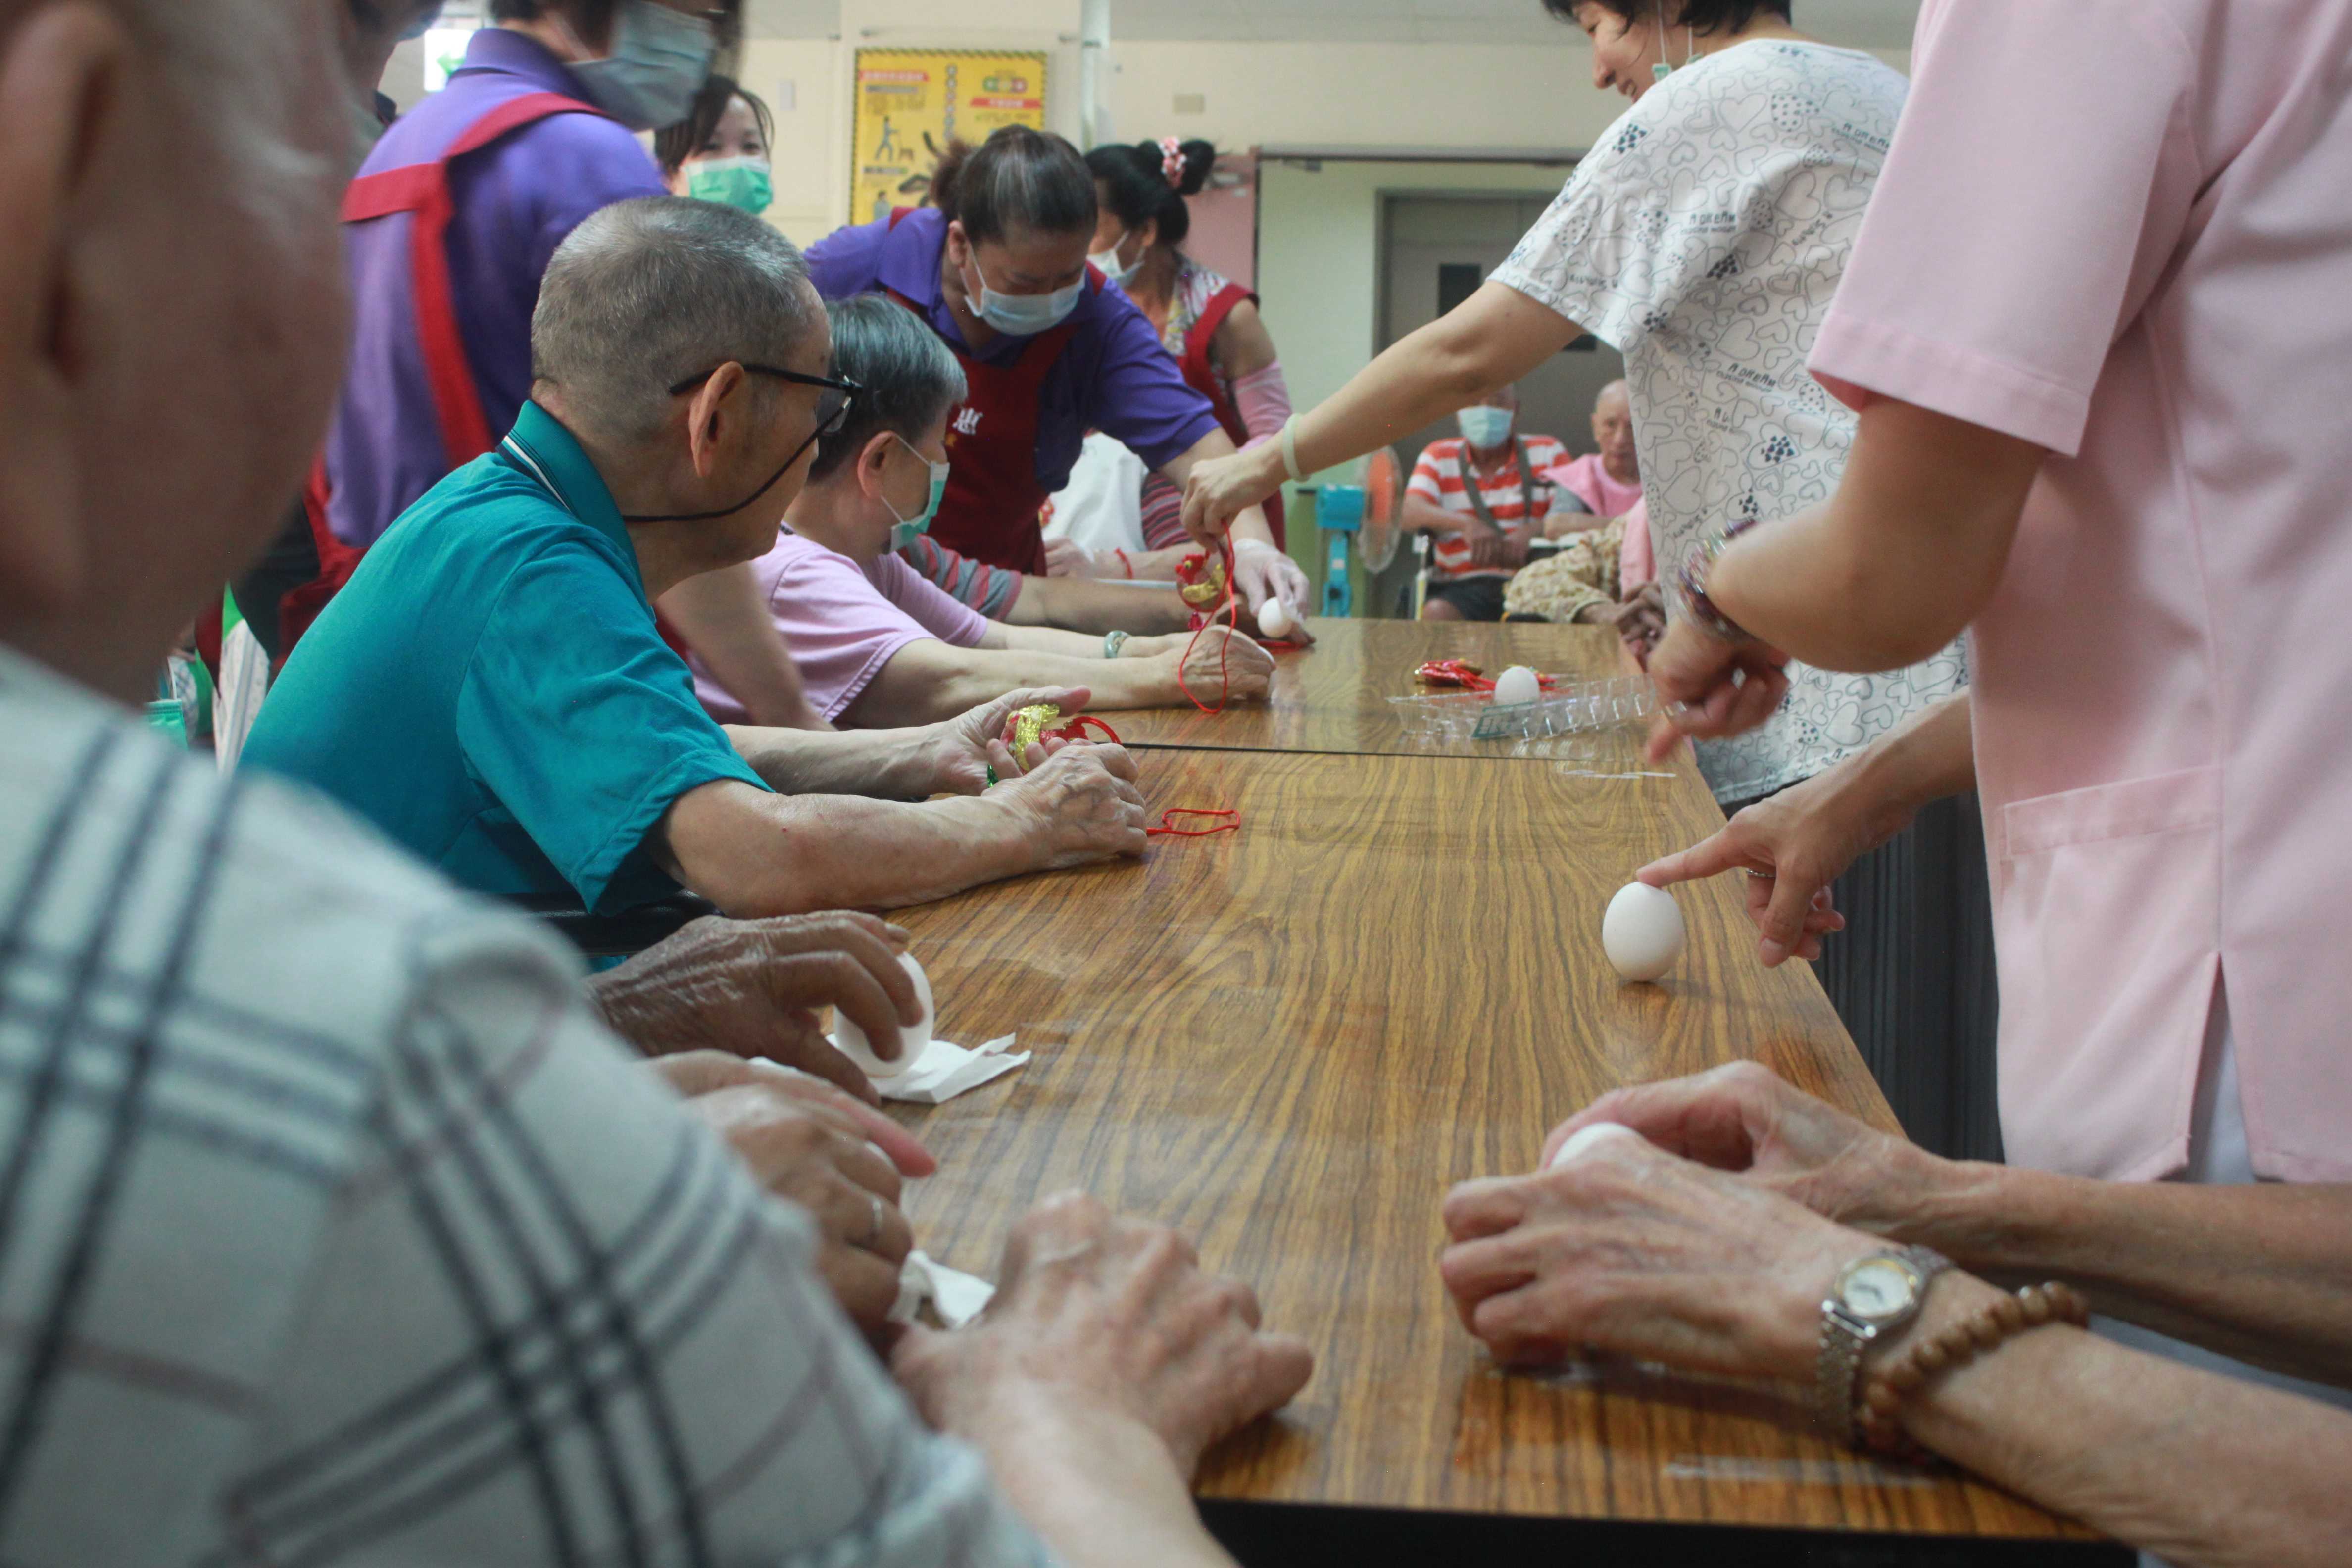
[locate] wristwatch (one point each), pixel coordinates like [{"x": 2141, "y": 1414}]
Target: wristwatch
[{"x": 1876, "y": 1294}]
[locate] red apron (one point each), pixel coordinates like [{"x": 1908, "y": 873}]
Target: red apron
[
  {"x": 422, "y": 191},
  {"x": 1203, "y": 378},
  {"x": 993, "y": 497}
]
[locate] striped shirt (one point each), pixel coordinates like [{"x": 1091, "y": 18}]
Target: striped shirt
[
  {"x": 335, "y": 1230},
  {"x": 1437, "y": 479},
  {"x": 991, "y": 590}
]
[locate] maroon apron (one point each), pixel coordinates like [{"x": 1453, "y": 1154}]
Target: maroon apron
[{"x": 1202, "y": 377}]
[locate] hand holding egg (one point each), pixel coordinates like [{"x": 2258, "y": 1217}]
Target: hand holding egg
[{"x": 853, "y": 1043}]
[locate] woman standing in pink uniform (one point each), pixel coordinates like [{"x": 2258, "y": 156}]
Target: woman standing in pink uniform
[{"x": 2098, "y": 326}]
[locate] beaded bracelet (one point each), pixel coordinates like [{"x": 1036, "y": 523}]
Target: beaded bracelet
[
  {"x": 1692, "y": 579},
  {"x": 1878, "y": 1414}
]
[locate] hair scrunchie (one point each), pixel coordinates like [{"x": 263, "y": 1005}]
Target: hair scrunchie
[{"x": 1171, "y": 161}]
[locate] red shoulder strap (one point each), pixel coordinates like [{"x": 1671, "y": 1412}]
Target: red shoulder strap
[
  {"x": 1198, "y": 337},
  {"x": 422, "y": 190}
]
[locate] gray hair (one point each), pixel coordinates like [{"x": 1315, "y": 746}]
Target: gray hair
[
  {"x": 910, "y": 379},
  {"x": 647, "y": 293}
]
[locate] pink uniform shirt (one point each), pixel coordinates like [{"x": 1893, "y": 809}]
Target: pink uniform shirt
[
  {"x": 1588, "y": 481},
  {"x": 843, "y": 622},
  {"x": 2122, "y": 229}
]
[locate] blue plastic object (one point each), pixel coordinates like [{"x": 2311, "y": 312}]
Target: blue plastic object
[{"x": 1339, "y": 512}]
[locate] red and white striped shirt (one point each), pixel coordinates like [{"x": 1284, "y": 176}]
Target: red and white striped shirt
[{"x": 1437, "y": 479}]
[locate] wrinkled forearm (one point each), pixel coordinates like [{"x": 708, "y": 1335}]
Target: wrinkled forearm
[
  {"x": 756, "y": 854},
  {"x": 2262, "y": 1273},
  {"x": 930, "y": 682},
  {"x": 1100, "y": 1490},
  {"x": 2203, "y": 1470},
  {"x": 889, "y": 765},
  {"x": 1083, "y": 604}
]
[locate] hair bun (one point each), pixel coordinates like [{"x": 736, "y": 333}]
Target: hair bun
[{"x": 1200, "y": 163}]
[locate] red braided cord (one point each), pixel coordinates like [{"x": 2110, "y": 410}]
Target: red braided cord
[
  {"x": 1231, "y": 607},
  {"x": 1168, "y": 830}
]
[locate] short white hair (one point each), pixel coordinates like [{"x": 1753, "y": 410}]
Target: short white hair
[{"x": 647, "y": 293}]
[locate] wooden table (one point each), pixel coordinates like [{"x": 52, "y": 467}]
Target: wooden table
[
  {"x": 1290, "y": 1042},
  {"x": 1334, "y": 697}
]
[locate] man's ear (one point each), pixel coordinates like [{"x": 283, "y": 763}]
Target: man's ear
[
  {"x": 62, "y": 76},
  {"x": 717, "y": 411}
]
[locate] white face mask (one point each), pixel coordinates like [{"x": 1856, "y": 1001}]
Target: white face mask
[
  {"x": 660, "y": 59},
  {"x": 1107, "y": 262},
  {"x": 1022, "y": 315},
  {"x": 1486, "y": 426}
]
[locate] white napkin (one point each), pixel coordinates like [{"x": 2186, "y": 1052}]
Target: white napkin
[
  {"x": 959, "y": 1297},
  {"x": 944, "y": 1070}
]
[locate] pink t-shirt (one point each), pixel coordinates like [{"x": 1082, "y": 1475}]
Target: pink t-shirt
[
  {"x": 843, "y": 621},
  {"x": 2118, "y": 228},
  {"x": 1637, "y": 564},
  {"x": 1585, "y": 479}
]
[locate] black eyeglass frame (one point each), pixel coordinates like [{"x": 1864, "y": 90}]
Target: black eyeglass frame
[{"x": 828, "y": 425}]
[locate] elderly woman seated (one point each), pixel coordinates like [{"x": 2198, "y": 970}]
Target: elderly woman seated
[
  {"x": 1729, "y": 1224},
  {"x": 877, "y": 643},
  {"x": 493, "y": 692}
]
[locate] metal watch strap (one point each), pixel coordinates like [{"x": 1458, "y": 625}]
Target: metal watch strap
[{"x": 1845, "y": 1339}]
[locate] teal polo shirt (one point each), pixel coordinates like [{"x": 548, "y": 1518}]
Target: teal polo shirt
[{"x": 491, "y": 690}]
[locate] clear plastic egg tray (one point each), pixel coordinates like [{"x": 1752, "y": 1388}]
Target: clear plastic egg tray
[{"x": 1589, "y": 726}]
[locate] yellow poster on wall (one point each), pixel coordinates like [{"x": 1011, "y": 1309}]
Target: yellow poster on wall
[{"x": 911, "y": 101}]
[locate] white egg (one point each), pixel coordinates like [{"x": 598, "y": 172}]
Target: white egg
[
  {"x": 853, "y": 1042},
  {"x": 1585, "y": 1138},
  {"x": 1517, "y": 686},
  {"x": 1274, "y": 620},
  {"x": 1643, "y": 932}
]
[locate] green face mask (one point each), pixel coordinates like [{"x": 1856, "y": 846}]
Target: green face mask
[{"x": 743, "y": 182}]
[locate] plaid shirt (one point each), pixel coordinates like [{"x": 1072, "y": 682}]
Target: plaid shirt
[{"x": 334, "y": 1229}]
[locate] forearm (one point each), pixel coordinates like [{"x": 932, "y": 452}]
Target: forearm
[
  {"x": 939, "y": 682},
  {"x": 1082, "y": 605},
  {"x": 2200, "y": 1470},
  {"x": 1099, "y": 1489},
  {"x": 2260, "y": 1273},
  {"x": 1930, "y": 756},
  {"x": 889, "y": 764},
  {"x": 724, "y": 619},
  {"x": 1422, "y": 516},
  {"x": 784, "y": 855}
]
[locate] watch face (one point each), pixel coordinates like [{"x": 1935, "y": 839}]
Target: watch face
[{"x": 1877, "y": 1287}]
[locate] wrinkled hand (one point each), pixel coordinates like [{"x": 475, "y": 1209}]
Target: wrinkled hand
[
  {"x": 1265, "y": 573},
  {"x": 1793, "y": 845},
  {"x": 1097, "y": 1313},
  {"x": 964, "y": 749},
  {"x": 1083, "y": 804},
  {"x": 1220, "y": 489},
  {"x": 752, "y": 988},
  {"x": 1633, "y": 1251},
  {"x": 1640, "y": 621},
  {"x": 1709, "y": 689},
  {"x": 1065, "y": 558},
  {"x": 1223, "y": 661},
  {"x": 812, "y": 1146},
  {"x": 1742, "y": 1118}
]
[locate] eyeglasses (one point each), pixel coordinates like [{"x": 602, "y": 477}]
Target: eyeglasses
[
  {"x": 831, "y": 415},
  {"x": 829, "y": 422}
]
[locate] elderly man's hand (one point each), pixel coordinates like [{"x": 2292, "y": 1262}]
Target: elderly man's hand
[
  {"x": 811, "y": 1145},
  {"x": 963, "y": 749},
  {"x": 1083, "y": 805},
  {"x": 1632, "y": 1251},
  {"x": 1101, "y": 1317},
  {"x": 1742, "y": 1118},
  {"x": 1708, "y": 687},
  {"x": 752, "y": 988}
]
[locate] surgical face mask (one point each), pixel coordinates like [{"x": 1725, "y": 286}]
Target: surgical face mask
[
  {"x": 910, "y": 528},
  {"x": 1024, "y": 315},
  {"x": 660, "y": 59},
  {"x": 745, "y": 183},
  {"x": 1107, "y": 262},
  {"x": 1486, "y": 426}
]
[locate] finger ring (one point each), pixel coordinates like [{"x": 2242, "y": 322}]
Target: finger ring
[
  {"x": 1763, "y": 876},
  {"x": 874, "y": 1232}
]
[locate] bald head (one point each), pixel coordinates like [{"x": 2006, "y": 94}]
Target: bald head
[{"x": 1612, "y": 432}]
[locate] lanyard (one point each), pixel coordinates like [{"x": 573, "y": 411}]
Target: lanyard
[{"x": 1471, "y": 488}]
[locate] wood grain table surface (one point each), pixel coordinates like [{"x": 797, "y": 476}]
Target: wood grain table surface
[
  {"x": 1334, "y": 695},
  {"x": 1291, "y": 1041}
]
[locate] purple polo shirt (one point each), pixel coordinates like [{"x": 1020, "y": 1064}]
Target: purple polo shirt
[
  {"x": 515, "y": 201},
  {"x": 1114, "y": 377}
]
